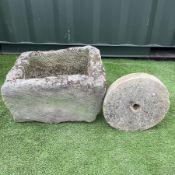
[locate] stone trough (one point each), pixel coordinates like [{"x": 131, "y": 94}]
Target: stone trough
[{"x": 56, "y": 86}]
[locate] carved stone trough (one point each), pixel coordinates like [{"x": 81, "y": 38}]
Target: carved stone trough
[{"x": 56, "y": 86}]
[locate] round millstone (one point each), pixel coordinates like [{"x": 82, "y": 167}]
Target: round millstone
[{"x": 135, "y": 102}]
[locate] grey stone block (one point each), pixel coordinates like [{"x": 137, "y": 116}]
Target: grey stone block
[
  {"x": 136, "y": 101},
  {"x": 56, "y": 86}
]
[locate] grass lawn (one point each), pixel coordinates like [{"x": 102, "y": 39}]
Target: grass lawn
[{"x": 90, "y": 148}]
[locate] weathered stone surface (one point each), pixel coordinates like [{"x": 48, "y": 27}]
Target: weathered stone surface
[
  {"x": 136, "y": 101},
  {"x": 56, "y": 86}
]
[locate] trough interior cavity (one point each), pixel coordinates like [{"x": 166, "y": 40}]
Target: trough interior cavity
[{"x": 54, "y": 65}]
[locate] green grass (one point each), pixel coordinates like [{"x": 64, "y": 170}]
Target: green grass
[{"x": 90, "y": 148}]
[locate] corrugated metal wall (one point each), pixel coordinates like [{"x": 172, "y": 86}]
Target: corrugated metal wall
[{"x": 116, "y": 22}]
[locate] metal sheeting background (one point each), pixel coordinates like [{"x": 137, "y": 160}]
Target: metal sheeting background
[{"x": 115, "y": 22}]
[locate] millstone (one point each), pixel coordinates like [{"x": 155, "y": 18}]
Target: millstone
[
  {"x": 56, "y": 86},
  {"x": 136, "y": 101}
]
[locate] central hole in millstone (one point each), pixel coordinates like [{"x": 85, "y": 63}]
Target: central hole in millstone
[{"x": 135, "y": 106}]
